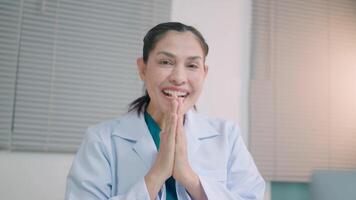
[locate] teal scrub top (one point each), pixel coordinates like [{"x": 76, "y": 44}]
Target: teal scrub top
[{"x": 154, "y": 129}]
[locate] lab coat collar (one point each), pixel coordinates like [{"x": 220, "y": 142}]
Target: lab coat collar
[
  {"x": 132, "y": 127},
  {"x": 198, "y": 126},
  {"x": 197, "y": 129}
]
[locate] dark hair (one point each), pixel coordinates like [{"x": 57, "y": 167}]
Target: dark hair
[{"x": 149, "y": 42}]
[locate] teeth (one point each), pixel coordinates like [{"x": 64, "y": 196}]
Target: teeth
[{"x": 175, "y": 93}]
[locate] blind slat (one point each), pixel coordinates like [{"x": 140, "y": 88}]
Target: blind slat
[
  {"x": 76, "y": 67},
  {"x": 301, "y": 87},
  {"x": 9, "y": 23}
]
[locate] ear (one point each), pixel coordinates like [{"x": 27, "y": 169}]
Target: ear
[
  {"x": 206, "y": 69},
  {"x": 141, "y": 67}
]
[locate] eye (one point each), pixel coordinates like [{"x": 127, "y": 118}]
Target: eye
[
  {"x": 165, "y": 62},
  {"x": 193, "y": 66}
]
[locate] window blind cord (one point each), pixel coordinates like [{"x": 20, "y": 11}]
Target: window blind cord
[{"x": 19, "y": 36}]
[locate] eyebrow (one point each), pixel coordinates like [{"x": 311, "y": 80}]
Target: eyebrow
[{"x": 172, "y": 55}]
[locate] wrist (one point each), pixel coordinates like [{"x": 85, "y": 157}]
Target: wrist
[
  {"x": 194, "y": 188},
  {"x": 190, "y": 181},
  {"x": 155, "y": 178},
  {"x": 153, "y": 183}
]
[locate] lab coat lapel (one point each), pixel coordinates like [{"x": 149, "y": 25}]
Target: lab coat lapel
[
  {"x": 145, "y": 148},
  {"x": 133, "y": 128},
  {"x": 197, "y": 129}
]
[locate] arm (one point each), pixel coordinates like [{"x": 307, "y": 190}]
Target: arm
[{"x": 182, "y": 170}]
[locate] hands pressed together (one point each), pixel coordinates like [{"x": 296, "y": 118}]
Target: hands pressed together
[{"x": 172, "y": 158}]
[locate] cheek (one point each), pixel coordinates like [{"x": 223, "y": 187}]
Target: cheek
[
  {"x": 152, "y": 80},
  {"x": 197, "y": 83},
  {"x": 156, "y": 77}
]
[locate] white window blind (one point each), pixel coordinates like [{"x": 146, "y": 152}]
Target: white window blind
[
  {"x": 68, "y": 64},
  {"x": 9, "y": 36},
  {"x": 303, "y": 87}
]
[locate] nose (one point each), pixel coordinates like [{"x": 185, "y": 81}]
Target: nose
[{"x": 178, "y": 75}]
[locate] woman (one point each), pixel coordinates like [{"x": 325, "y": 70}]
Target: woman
[{"x": 162, "y": 148}]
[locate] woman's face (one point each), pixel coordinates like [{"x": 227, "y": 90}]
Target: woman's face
[{"x": 175, "y": 67}]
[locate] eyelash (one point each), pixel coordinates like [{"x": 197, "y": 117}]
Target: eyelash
[
  {"x": 165, "y": 62},
  {"x": 168, "y": 62},
  {"x": 194, "y": 66}
]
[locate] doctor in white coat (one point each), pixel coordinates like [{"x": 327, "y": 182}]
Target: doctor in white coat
[{"x": 162, "y": 148}]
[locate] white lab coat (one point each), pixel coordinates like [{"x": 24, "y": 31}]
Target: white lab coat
[{"x": 115, "y": 156}]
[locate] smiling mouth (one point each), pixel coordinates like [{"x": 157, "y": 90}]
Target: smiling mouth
[{"x": 174, "y": 93}]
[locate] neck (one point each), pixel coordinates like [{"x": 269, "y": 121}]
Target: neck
[{"x": 155, "y": 114}]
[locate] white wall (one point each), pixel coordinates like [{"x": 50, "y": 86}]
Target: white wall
[
  {"x": 33, "y": 176},
  {"x": 226, "y": 26}
]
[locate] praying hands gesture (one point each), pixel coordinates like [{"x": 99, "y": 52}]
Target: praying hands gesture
[{"x": 172, "y": 158}]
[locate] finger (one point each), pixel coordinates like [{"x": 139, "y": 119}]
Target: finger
[
  {"x": 166, "y": 116},
  {"x": 172, "y": 122},
  {"x": 164, "y": 123},
  {"x": 172, "y": 126},
  {"x": 174, "y": 105},
  {"x": 172, "y": 110},
  {"x": 180, "y": 117},
  {"x": 180, "y": 127},
  {"x": 180, "y": 107}
]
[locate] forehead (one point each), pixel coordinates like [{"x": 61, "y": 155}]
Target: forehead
[{"x": 179, "y": 44}]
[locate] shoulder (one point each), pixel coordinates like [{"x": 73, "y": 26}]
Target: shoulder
[{"x": 106, "y": 129}]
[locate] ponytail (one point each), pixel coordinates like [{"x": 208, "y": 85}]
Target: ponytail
[{"x": 140, "y": 104}]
